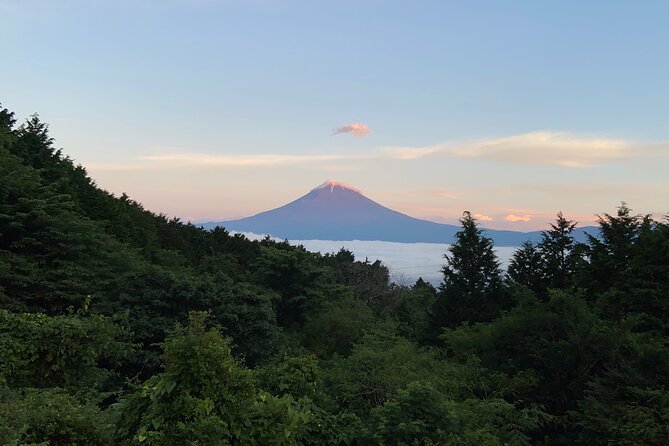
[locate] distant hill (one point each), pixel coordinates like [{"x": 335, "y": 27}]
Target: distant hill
[{"x": 336, "y": 211}]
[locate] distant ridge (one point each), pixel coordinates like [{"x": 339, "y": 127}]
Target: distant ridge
[{"x": 337, "y": 211}]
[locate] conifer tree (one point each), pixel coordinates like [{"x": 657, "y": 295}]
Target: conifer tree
[
  {"x": 625, "y": 266},
  {"x": 525, "y": 268},
  {"x": 471, "y": 289},
  {"x": 611, "y": 252},
  {"x": 559, "y": 254}
]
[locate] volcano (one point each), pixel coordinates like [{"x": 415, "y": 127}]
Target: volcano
[{"x": 337, "y": 211}]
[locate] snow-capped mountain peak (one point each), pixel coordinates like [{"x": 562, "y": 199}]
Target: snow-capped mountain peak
[{"x": 331, "y": 184}]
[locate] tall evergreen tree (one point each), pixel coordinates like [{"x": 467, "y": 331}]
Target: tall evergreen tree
[
  {"x": 525, "y": 268},
  {"x": 471, "y": 289},
  {"x": 610, "y": 253},
  {"x": 559, "y": 254},
  {"x": 7, "y": 120},
  {"x": 625, "y": 269}
]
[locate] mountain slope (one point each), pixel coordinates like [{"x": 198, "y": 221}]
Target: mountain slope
[{"x": 336, "y": 211}]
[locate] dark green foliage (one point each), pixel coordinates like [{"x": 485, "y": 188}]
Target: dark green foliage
[
  {"x": 472, "y": 263},
  {"x": 553, "y": 263},
  {"x": 559, "y": 253},
  {"x": 337, "y": 326},
  {"x": 416, "y": 415},
  {"x": 378, "y": 366},
  {"x": 611, "y": 253},
  {"x": 628, "y": 267},
  {"x": 248, "y": 314},
  {"x": 471, "y": 290},
  {"x": 64, "y": 351},
  {"x": 292, "y": 274},
  {"x": 414, "y": 311},
  {"x": 51, "y": 417},
  {"x": 299, "y": 376},
  {"x": 369, "y": 281},
  {"x": 51, "y": 258},
  {"x": 421, "y": 415},
  {"x": 629, "y": 404},
  {"x": 563, "y": 343},
  {"x": 526, "y": 268},
  {"x": 204, "y": 396}
]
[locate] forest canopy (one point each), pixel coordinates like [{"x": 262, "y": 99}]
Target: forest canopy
[{"x": 122, "y": 326}]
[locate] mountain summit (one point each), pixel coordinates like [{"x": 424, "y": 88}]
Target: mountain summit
[
  {"x": 337, "y": 211},
  {"x": 331, "y": 211},
  {"x": 331, "y": 184}
]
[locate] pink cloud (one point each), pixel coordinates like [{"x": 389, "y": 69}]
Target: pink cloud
[
  {"x": 357, "y": 130},
  {"x": 516, "y": 218}
]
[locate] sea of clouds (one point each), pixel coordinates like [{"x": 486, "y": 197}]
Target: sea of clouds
[{"x": 406, "y": 261}]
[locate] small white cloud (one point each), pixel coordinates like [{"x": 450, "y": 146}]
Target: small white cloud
[
  {"x": 358, "y": 130},
  {"x": 517, "y": 218},
  {"x": 482, "y": 217}
]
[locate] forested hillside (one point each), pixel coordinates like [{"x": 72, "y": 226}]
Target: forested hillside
[{"x": 121, "y": 326}]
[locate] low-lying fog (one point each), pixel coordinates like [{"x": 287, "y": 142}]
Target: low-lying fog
[{"x": 406, "y": 261}]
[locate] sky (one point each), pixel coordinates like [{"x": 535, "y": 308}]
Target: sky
[{"x": 213, "y": 110}]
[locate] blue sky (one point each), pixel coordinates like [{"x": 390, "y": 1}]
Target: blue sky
[{"x": 217, "y": 109}]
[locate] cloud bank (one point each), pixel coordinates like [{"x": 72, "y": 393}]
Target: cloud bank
[
  {"x": 546, "y": 148},
  {"x": 203, "y": 159},
  {"x": 549, "y": 148},
  {"x": 535, "y": 148},
  {"x": 406, "y": 261}
]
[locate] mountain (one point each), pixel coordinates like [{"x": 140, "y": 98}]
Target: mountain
[{"x": 337, "y": 211}]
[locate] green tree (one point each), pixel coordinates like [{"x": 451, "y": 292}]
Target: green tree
[
  {"x": 74, "y": 352},
  {"x": 559, "y": 347},
  {"x": 336, "y": 326},
  {"x": 205, "y": 397},
  {"x": 421, "y": 415},
  {"x": 526, "y": 268},
  {"x": 471, "y": 289},
  {"x": 292, "y": 273},
  {"x": 625, "y": 270},
  {"x": 247, "y": 312},
  {"x": 413, "y": 311},
  {"x": 369, "y": 281},
  {"x": 417, "y": 415},
  {"x": 629, "y": 403},
  {"x": 51, "y": 417},
  {"x": 379, "y": 365},
  {"x": 559, "y": 253}
]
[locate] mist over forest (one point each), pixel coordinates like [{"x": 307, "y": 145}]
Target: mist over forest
[{"x": 406, "y": 262}]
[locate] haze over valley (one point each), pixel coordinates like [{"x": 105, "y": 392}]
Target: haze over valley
[{"x": 407, "y": 262}]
